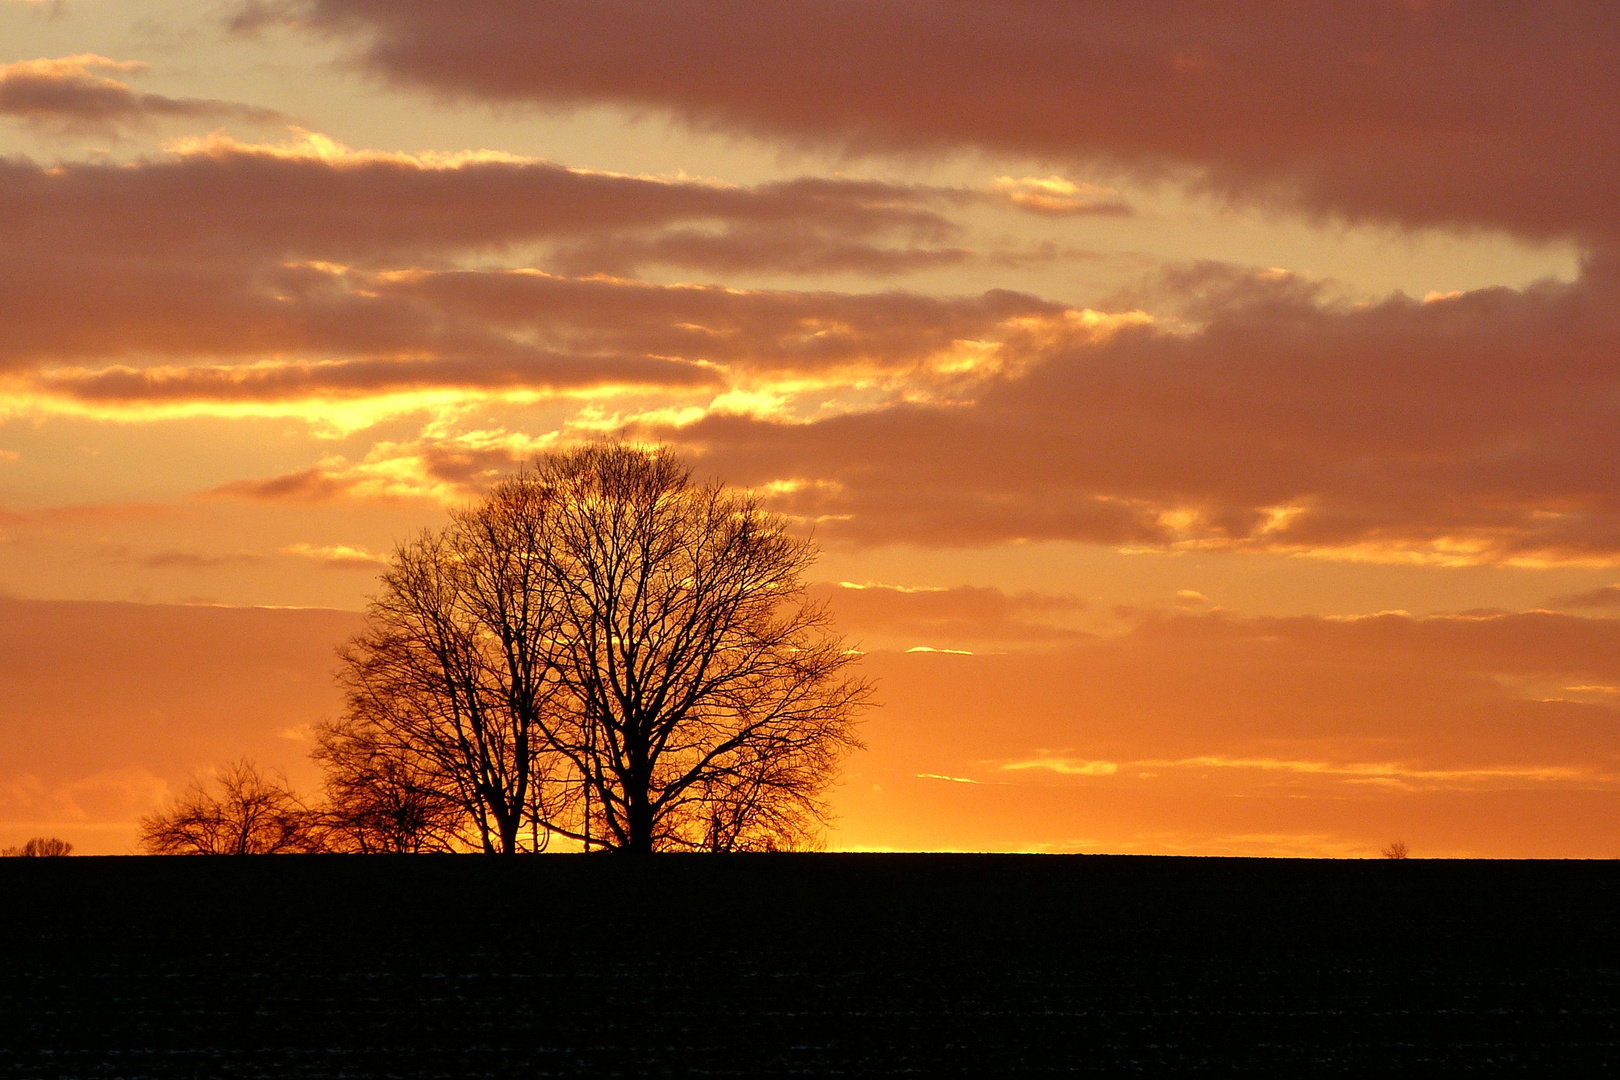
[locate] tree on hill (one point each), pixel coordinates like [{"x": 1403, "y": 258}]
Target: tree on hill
[
  {"x": 252, "y": 814},
  {"x": 606, "y": 651}
]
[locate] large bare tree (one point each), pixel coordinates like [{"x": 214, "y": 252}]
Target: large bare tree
[
  {"x": 709, "y": 701},
  {"x": 602, "y": 650},
  {"x": 454, "y": 671}
]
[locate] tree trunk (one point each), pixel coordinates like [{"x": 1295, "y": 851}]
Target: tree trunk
[
  {"x": 509, "y": 834},
  {"x": 639, "y": 817}
]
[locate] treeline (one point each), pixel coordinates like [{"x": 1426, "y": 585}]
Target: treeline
[
  {"x": 38, "y": 847},
  {"x": 601, "y": 652}
]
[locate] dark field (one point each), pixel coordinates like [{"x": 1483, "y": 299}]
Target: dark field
[{"x": 865, "y": 965}]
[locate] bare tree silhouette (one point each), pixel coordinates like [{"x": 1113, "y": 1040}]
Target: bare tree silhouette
[
  {"x": 600, "y": 650},
  {"x": 252, "y": 815},
  {"x": 39, "y": 847},
  {"x": 1396, "y": 850},
  {"x": 452, "y": 674},
  {"x": 709, "y": 701}
]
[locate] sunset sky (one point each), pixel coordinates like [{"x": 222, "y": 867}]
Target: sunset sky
[{"x": 1209, "y": 413}]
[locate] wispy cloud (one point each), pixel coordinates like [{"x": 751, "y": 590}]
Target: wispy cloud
[
  {"x": 1064, "y": 766},
  {"x": 67, "y": 93},
  {"x": 337, "y": 556},
  {"x": 194, "y": 560},
  {"x": 960, "y": 779},
  {"x": 1057, "y": 196},
  {"x": 1608, "y": 596},
  {"x": 1390, "y": 772}
]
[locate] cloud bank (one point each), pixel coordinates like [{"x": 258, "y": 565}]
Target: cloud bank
[{"x": 1450, "y": 112}]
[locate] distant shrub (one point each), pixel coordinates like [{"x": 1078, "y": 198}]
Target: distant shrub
[
  {"x": 39, "y": 847},
  {"x": 1397, "y": 850}
]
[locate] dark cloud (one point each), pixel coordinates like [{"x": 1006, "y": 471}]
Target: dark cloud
[
  {"x": 330, "y": 379},
  {"x": 1439, "y": 113},
  {"x": 228, "y": 201},
  {"x": 1475, "y": 428},
  {"x": 233, "y": 251},
  {"x": 762, "y": 330},
  {"x": 483, "y": 331},
  {"x": 1480, "y": 427},
  {"x": 307, "y": 485}
]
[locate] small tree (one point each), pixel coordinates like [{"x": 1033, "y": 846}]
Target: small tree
[
  {"x": 1396, "y": 850},
  {"x": 39, "y": 847},
  {"x": 251, "y": 815}
]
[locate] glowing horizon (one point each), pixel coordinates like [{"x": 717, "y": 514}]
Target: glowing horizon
[{"x": 1207, "y": 419}]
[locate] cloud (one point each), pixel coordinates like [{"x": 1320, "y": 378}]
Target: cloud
[
  {"x": 1477, "y": 429},
  {"x": 1267, "y": 417},
  {"x": 1393, "y": 773},
  {"x": 1443, "y": 113},
  {"x": 957, "y": 779},
  {"x": 92, "y": 514},
  {"x": 1254, "y": 413},
  {"x": 1606, "y": 597},
  {"x": 235, "y": 277},
  {"x": 65, "y": 93},
  {"x": 420, "y": 339},
  {"x": 880, "y": 616},
  {"x": 1262, "y": 416},
  {"x": 310, "y": 198},
  {"x": 448, "y": 469},
  {"x": 804, "y": 249},
  {"x": 532, "y": 370},
  {"x": 192, "y": 560},
  {"x": 337, "y": 556},
  {"x": 1058, "y": 197},
  {"x": 313, "y": 484},
  {"x": 118, "y": 794},
  {"x": 1063, "y": 766}
]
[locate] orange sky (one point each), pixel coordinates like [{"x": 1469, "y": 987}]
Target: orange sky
[{"x": 1208, "y": 414}]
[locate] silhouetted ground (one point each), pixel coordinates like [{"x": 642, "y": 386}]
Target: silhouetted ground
[{"x": 832, "y": 965}]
